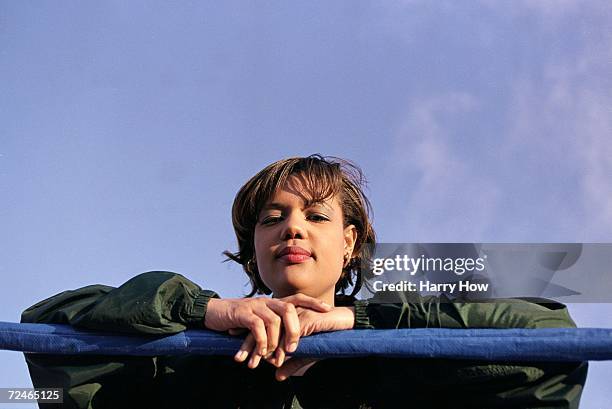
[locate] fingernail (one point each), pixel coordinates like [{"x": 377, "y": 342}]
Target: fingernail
[
  {"x": 326, "y": 305},
  {"x": 292, "y": 347},
  {"x": 269, "y": 354},
  {"x": 263, "y": 351},
  {"x": 243, "y": 355}
]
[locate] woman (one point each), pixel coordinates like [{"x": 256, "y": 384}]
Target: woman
[{"x": 301, "y": 225}]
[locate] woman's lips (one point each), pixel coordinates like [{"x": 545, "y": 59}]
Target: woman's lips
[
  {"x": 294, "y": 255},
  {"x": 294, "y": 258}
]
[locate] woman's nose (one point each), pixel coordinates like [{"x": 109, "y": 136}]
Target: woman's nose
[{"x": 293, "y": 228}]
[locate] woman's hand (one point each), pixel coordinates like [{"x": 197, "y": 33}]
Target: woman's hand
[
  {"x": 263, "y": 317},
  {"x": 336, "y": 319},
  {"x": 294, "y": 366},
  {"x": 311, "y": 321}
]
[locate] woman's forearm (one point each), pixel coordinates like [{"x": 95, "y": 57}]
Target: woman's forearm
[
  {"x": 436, "y": 312},
  {"x": 156, "y": 302}
]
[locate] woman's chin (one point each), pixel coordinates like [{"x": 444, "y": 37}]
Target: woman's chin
[
  {"x": 294, "y": 285},
  {"x": 293, "y": 282},
  {"x": 294, "y": 271}
]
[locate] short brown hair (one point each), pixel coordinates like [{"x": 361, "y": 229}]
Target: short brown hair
[{"x": 324, "y": 177}]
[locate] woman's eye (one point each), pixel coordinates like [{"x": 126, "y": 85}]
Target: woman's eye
[
  {"x": 270, "y": 220},
  {"x": 274, "y": 219},
  {"x": 318, "y": 217}
]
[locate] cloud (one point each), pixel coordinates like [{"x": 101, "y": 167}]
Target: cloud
[
  {"x": 549, "y": 175},
  {"x": 443, "y": 196},
  {"x": 564, "y": 114}
]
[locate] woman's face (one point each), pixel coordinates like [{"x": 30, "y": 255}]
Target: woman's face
[{"x": 289, "y": 223}]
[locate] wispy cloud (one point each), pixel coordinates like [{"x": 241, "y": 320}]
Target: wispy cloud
[
  {"x": 564, "y": 113},
  {"x": 555, "y": 131},
  {"x": 445, "y": 197}
]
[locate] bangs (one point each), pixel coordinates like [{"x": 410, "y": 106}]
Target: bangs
[{"x": 315, "y": 181}]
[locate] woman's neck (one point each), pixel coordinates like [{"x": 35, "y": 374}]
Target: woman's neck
[{"x": 328, "y": 298}]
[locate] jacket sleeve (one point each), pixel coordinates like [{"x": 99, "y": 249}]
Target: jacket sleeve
[
  {"x": 156, "y": 302},
  {"x": 487, "y": 384},
  {"x": 441, "y": 312}
]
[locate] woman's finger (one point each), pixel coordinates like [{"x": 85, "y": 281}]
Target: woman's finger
[
  {"x": 279, "y": 355},
  {"x": 258, "y": 330},
  {"x": 247, "y": 346},
  {"x": 303, "y": 300},
  {"x": 254, "y": 361},
  {"x": 273, "y": 327},
  {"x": 291, "y": 324},
  {"x": 294, "y": 366}
]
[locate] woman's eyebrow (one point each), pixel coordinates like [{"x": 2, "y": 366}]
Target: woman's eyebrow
[
  {"x": 279, "y": 206},
  {"x": 322, "y": 204}
]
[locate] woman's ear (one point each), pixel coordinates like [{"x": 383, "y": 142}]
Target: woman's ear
[{"x": 350, "y": 238}]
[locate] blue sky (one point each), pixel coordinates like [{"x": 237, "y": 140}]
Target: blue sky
[{"x": 126, "y": 129}]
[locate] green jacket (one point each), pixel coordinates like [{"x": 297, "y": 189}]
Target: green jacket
[{"x": 161, "y": 302}]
